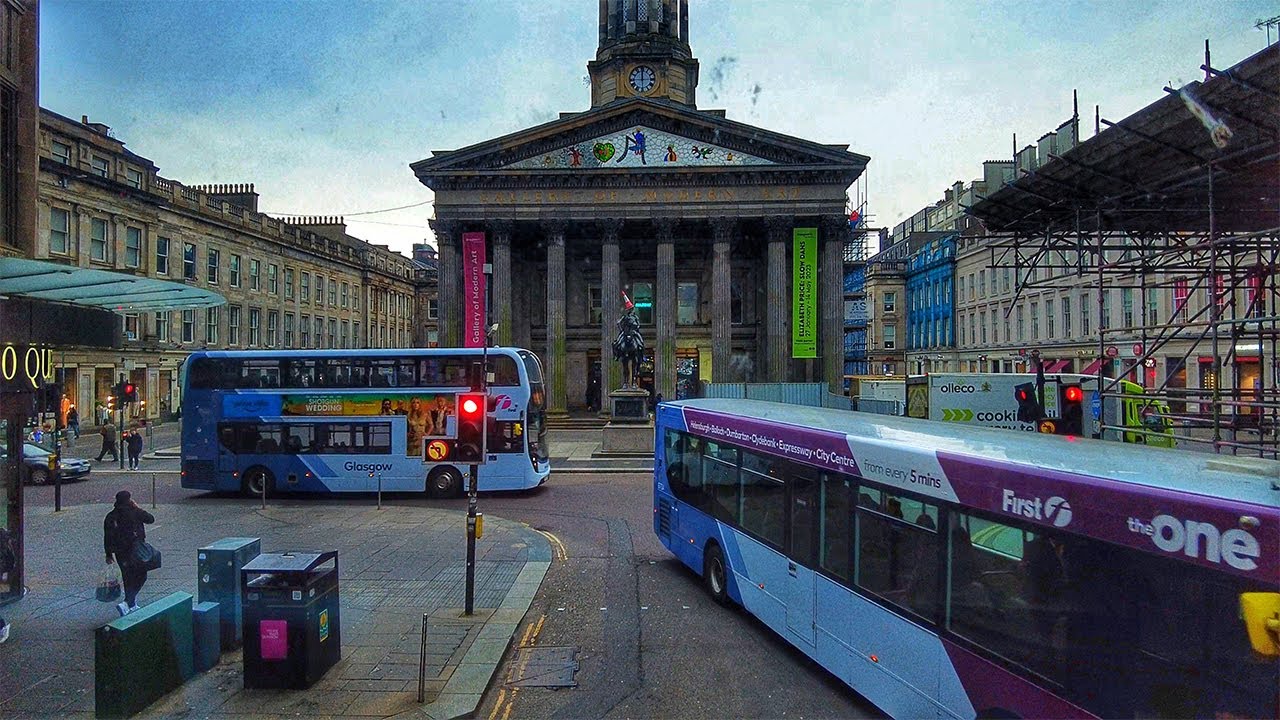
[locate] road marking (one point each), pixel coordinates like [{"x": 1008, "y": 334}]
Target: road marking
[
  {"x": 502, "y": 694},
  {"x": 558, "y": 549}
]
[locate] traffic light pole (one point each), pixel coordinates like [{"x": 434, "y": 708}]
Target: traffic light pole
[
  {"x": 473, "y": 481},
  {"x": 120, "y": 405}
]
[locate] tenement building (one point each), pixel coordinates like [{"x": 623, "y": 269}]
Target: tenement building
[
  {"x": 727, "y": 237},
  {"x": 304, "y": 283}
]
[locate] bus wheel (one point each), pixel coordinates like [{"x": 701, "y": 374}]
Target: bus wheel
[
  {"x": 714, "y": 574},
  {"x": 256, "y": 479},
  {"x": 445, "y": 482}
]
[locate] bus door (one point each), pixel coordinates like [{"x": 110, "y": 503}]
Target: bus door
[
  {"x": 802, "y": 526},
  {"x": 228, "y": 444}
]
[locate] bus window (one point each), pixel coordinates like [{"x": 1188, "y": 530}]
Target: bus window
[
  {"x": 836, "y": 528},
  {"x": 505, "y": 373},
  {"x": 764, "y": 499},
  {"x": 405, "y": 373},
  {"x": 382, "y": 372},
  {"x": 720, "y": 480},
  {"x": 897, "y": 558},
  {"x": 213, "y": 374}
]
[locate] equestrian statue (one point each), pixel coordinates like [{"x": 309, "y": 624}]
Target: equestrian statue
[{"x": 628, "y": 347}]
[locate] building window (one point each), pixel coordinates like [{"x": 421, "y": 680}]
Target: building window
[
  {"x": 162, "y": 256},
  {"x": 188, "y": 326},
  {"x": 288, "y": 283},
  {"x": 101, "y": 167},
  {"x": 890, "y": 337},
  {"x": 433, "y": 309},
  {"x": 233, "y": 271},
  {"x": 1084, "y": 315},
  {"x": 1066, "y": 317},
  {"x": 973, "y": 288},
  {"x": 189, "y": 261},
  {"x": 132, "y": 247},
  {"x": 1004, "y": 279},
  {"x": 233, "y": 324},
  {"x": 643, "y": 298},
  {"x": 288, "y": 330},
  {"x": 273, "y": 281},
  {"x": 162, "y": 326},
  {"x": 1153, "y": 308},
  {"x": 346, "y": 332},
  {"x": 1104, "y": 315},
  {"x": 318, "y": 335},
  {"x": 355, "y": 299},
  {"x": 982, "y": 283},
  {"x": 62, "y": 152},
  {"x": 1180, "y": 293},
  {"x": 973, "y": 324},
  {"x": 98, "y": 239},
  {"x": 59, "y": 230},
  {"x": 133, "y": 177},
  {"x": 890, "y": 302},
  {"x": 1048, "y": 317},
  {"x": 319, "y": 290},
  {"x": 304, "y": 327},
  {"x": 131, "y": 326},
  {"x": 594, "y": 305},
  {"x": 255, "y": 275},
  {"x": 1035, "y": 321},
  {"x": 1021, "y": 334},
  {"x": 255, "y": 323},
  {"x": 983, "y": 325},
  {"x": 333, "y": 292},
  {"x": 1126, "y": 306},
  {"x": 346, "y": 293},
  {"x": 211, "y": 326},
  {"x": 273, "y": 327},
  {"x": 355, "y": 335},
  {"x": 960, "y": 286},
  {"x": 214, "y": 258},
  {"x": 687, "y": 303},
  {"x": 304, "y": 288}
]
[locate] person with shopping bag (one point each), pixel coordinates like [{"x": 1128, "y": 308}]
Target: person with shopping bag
[{"x": 125, "y": 541}]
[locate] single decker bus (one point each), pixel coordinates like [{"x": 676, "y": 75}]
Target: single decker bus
[
  {"x": 342, "y": 421},
  {"x": 946, "y": 571}
]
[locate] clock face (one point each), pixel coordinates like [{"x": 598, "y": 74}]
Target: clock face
[{"x": 642, "y": 79}]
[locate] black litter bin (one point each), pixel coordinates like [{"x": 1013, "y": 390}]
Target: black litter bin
[{"x": 292, "y": 629}]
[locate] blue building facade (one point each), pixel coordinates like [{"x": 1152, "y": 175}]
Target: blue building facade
[
  {"x": 930, "y": 278},
  {"x": 855, "y": 319}
]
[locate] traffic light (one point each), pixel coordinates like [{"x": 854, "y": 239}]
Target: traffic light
[
  {"x": 1029, "y": 409},
  {"x": 130, "y": 393},
  {"x": 470, "y": 447},
  {"x": 1072, "y": 422}
]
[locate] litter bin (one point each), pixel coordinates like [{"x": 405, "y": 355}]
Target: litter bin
[{"x": 292, "y": 629}]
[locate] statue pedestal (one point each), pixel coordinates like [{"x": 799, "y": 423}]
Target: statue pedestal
[{"x": 630, "y": 431}]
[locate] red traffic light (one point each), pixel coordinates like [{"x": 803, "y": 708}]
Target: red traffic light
[
  {"x": 1073, "y": 394},
  {"x": 128, "y": 389},
  {"x": 469, "y": 405},
  {"x": 1023, "y": 395}
]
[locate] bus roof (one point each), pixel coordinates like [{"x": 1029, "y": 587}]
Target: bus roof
[
  {"x": 1252, "y": 480},
  {"x": 361, "y": 352}
]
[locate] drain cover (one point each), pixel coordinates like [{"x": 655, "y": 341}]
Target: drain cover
[{"x": 551, "y": 667}]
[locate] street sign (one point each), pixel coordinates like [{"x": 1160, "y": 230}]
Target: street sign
[
  {"x": 1112, "y": 351},
  {"x": 1137, "y": 349},
  {"x": 1095, "y": 405},
  {"x": 1149, "y": 362}
]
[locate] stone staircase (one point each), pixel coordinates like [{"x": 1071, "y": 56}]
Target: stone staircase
[{"x": 577, "y": 421}]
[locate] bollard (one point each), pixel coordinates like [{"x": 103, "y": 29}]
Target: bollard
[
  {"x": 153, "y": 491},
  {"x": 379, "y": 491},
  {"x": 422, "y": 662},
  {"x": 264, "y": 493}
]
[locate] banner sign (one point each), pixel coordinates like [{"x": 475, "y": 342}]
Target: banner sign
[
  {"x": 804, "y": 293},
  {"x": 473, "y": 290}
]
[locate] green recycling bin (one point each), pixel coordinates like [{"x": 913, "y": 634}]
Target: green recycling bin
[{"x": 292, "y": 627}]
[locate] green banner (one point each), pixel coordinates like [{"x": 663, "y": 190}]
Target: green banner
[{"x": 804, "y": 293}]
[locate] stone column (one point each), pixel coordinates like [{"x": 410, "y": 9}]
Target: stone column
[
  {"x": 81, "y": 241},
  {"x": 555, "y": 359},
  {"x": 610, "y": 308},
  {"x": 449, "y": 277},
  {"x": 722, "y": 229},
  {"x": 778, "y": 298},
  {"x": 831, "y": 294},
  {"x": 522, "y": 332},
  {"x": 501, "y": 231},
  {"x": 664, "y": 308}
]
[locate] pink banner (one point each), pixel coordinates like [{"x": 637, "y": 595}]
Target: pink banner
[
  {"x": 473, "y": 315},
  {"x": 274, "y": 638}
]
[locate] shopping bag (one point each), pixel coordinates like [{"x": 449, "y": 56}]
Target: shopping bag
[
  {"x": 145, "y": 555},
  {"x": 109, "y": 586}
]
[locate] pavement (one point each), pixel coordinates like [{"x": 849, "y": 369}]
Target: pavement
[{"x": 396, "y": 565}]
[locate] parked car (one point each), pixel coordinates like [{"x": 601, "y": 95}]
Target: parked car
[{"x": 36, "y": 461}]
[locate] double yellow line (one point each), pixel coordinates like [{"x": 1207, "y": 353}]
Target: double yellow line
[
  {"x": 558, "y": 550},
  {"x": 507, "y": 700}
]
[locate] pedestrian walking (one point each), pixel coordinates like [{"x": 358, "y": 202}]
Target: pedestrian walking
[
  {"x": 108, "y": 434},
  {"x": 73, "y": 421},
  {"x": 134, "y": 444},
  {"x": 122, "y": 532},
  {"x": 8, "y": 562}
]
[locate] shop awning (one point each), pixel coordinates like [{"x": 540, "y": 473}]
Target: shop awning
[
  {"x": 1092, "y": 368},
  {"x": 103, "y": 289},
  {"x": 1055, "y": 366}
]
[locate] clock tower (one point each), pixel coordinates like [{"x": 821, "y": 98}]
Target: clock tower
[{"x": 644, "y": 52}]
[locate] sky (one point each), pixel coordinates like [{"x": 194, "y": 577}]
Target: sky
[{"x": 323, "y": 105}]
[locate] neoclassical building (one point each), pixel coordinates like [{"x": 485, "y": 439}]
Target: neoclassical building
[{"x": 693, "y": 215}]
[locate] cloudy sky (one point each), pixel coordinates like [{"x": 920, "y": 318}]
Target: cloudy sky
[{"x": 323, "y": 104}]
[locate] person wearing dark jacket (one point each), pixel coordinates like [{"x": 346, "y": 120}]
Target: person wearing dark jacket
[
  {"x": 121, "y": 531},
  {"x": 134, "y": 445}
]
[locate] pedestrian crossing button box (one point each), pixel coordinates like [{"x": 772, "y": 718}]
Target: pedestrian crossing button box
[
  {"x": 218, "y": 580},
  {"x": 292, "y": 629}
]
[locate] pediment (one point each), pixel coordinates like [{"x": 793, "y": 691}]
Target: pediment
[
  {"x": 638, "y": 146},
  {"x": 607, "y": 138}
]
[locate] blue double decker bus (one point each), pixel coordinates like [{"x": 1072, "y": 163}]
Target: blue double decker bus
[
  {"x": 946, "y": 571},
  {"x": 340, "y": 421}
]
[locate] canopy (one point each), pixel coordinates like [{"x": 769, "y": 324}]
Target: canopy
[{"x": 104, "y": 289}]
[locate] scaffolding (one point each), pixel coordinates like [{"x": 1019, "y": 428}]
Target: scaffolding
[{"x": 1181, "y": 200}]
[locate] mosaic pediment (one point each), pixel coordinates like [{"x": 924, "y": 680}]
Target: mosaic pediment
[{"x": 638, "y": 146}]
